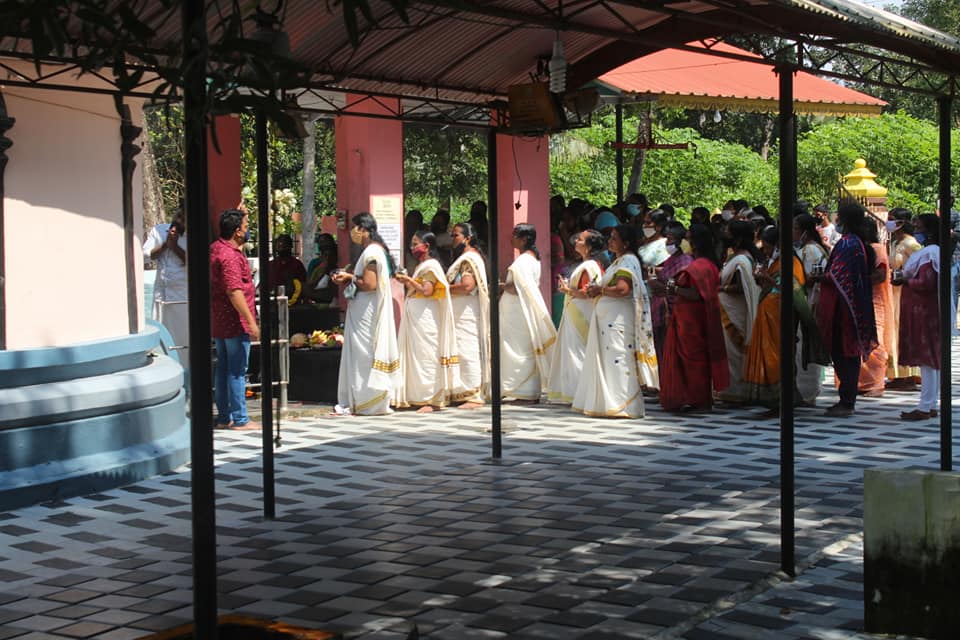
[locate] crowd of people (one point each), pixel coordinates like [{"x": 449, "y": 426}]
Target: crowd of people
[{"x": 648, "y": 309}]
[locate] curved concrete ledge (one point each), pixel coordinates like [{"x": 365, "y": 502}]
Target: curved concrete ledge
[
  {"x": 25, "y": 367},
  {"x": 158, "y": 380},
  {"x": 85, "y": 470},
  {"x": 88, "y": 417}
]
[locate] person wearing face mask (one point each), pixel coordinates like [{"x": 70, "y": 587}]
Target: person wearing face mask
[
  {"x": 739, "y": 294},
  {"x": 370, "y": 361},
  {"x": 845, "y": 311},
  {"x": 526, "y": 349},
  {"x": 660, "y": 300},
  {"x": 813, "y": 255},
  {"x": 567, "y": 364},
  {"x": 470, "y": 299},
  {"x": 762, "y": 365},
  {"x": 429, "y": 360},
  {"x": 902, "y": 245},
  {"x": 826, "y": 228},
  {"x": 653, "y": 250},
  {"x": 694, "y": 365}
]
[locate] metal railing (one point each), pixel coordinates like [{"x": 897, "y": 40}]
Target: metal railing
[{"x": 282, "y": 342}]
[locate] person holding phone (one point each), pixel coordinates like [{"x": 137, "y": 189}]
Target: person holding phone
[{"x": 166, "y": 245}]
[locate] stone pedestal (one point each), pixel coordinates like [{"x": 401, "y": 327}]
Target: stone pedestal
[{"x": 911, "y": 525}]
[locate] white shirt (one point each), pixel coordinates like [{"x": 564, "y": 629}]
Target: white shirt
[{"x": 171, "y": 282}]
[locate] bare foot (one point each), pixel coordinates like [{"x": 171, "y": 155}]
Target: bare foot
[
  {"x": 470, "y": 405},
  {"x": 426, "y": 409}
]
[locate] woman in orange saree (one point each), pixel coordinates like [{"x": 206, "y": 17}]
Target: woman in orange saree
[
  {"x": 762, "y": 367},
  {"x": 873, "y": 370},
  {"x": 694, "y": 365}
]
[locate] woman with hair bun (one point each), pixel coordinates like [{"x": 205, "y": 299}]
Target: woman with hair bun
[
  {"x": 470, "y": 298},
  {"x": 429, "y": 364},
  {"x": 370, "y": 361},
  {"x": 527, "y": 345},
  {"x": 574, "y": 328}
]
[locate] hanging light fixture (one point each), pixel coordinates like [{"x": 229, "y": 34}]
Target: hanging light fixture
[
  {"x": 270, "y": 31},
  {"x": 558, "y": 67},
  {"x": 716, "y": 116}
]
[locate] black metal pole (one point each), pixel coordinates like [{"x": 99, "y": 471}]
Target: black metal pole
[
  {"x": 493, "y": 278},
  {"x": 947, "y": 320},
  {"x": 788, "y": 195},
  {"x": 6, "y": 123},
  {"x": 203, "y": 498},
  {"x": 619, "y": 112},
  {"x": 266, "y": 315},
  {"x": 128, "y": 151}
]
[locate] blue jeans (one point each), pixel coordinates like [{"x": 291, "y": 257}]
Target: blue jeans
[{"x": 230, "y": 380}]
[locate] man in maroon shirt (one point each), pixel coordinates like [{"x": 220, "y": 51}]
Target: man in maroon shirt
[{"x": 233, "y": 320}]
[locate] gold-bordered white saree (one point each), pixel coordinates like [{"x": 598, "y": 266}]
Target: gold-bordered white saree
[
  {"x": 621, "y": 357},
  {"x": 471, "y": 317},
  {"x": 429, "y": 363},
  {"x": 370, "y": 360},
  {"x": 567, "y": 364},
  {"x": 527, "y": 335}
]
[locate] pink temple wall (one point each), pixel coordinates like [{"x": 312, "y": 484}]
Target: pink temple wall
[
  {"x": 531, "y": 188},
  {"x": 63, "y": 235},
  {"x": 369, "y": 155},
  {"x": 223, "y": 170}
]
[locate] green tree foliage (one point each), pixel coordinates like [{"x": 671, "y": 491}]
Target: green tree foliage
[
  {"x": 443, "y": 168},
  {"x": 164, "y": 126},
  {"x": 902, "y": 150},
  {"x": 715, "y": 171}
]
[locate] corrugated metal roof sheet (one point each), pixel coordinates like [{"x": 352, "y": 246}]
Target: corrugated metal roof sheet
[
  {"x": 473, "y": 51},
  {"x": 675, "y": 75}
]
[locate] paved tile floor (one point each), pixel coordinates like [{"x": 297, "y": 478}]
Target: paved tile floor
[{"x": 666, "y": 527}]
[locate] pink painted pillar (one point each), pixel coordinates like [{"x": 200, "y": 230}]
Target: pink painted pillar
[
  {"x": 523, "y": 176},
  {"x": 223, "y": 170},
  {"x": 369, "y": 154}
]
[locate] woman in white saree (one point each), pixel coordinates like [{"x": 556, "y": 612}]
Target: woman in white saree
[
  {"x": 470, "y": 299},
  {"x": 429, "y": 364},
  {"x": 621, "y": 358},
  {"x": 739, "y": 296},
  {"x": 370, "y": 360},
  {"x": 529, "y": 335},
  {"x": 567, "y": 364}
]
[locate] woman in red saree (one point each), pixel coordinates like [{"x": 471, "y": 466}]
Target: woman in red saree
[{"x": 695, "y": 358}]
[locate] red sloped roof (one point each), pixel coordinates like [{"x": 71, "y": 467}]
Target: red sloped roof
[{"x": 700, "y": 80}]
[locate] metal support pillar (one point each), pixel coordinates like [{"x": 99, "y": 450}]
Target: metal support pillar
[
  {"x": 128, "y": 151},
  {"x": 788, "y": 196},
  {"x": 946, "y": 293},
  {"x": 266, "y": 315},
  {"x": 493, "y": 280},
  {"x": 6, "y": 123},
  {"x": 203, "y": 498},
  {"x": 619, "y": 112}
]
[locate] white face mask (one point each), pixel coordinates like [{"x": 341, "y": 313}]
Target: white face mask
[
  {"x": 649, "y": 232},
  {"x": 672, "y": 249},
  {"x": 892, "y": 225},
  {"x": 726, "y": 214}
]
